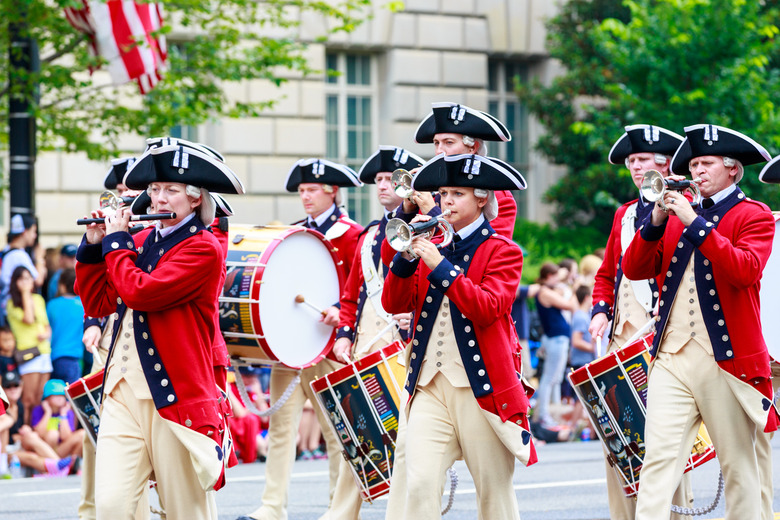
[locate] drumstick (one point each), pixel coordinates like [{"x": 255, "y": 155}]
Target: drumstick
[
  {"x": 300, "y": 299},
  {"x": 96, "y": 354},
  {"x": 599, "y": 346}
]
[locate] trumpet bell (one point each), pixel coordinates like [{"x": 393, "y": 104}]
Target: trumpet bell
[
  {"x": 653, "y": 185},
  {"x": 399, "y": 234},
  {"x": 402, "y": 183}
]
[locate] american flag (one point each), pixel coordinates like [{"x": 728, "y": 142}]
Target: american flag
[{"x": 125, "y": 34}]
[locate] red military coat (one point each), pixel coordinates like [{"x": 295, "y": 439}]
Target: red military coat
[
  {"x": 733, "y": 241},
  {"x": 610, "y": 273},
  {"x": 179, "y": 298},
  {"x": 484, "y": 295}
]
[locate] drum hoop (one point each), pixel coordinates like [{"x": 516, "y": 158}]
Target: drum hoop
[
  {"x": 257, "y": 287},
  {"x": 84, "y": 383},
  {"x": 366, "y": 361}
]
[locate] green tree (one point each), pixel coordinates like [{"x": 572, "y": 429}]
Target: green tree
[
  {"x": 216, "y": 43},
  {"x": 673, "y": 63}
]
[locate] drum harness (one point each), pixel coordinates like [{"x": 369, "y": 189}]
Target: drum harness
[{"x": 692, "y": 511}]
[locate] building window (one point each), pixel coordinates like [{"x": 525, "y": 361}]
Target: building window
[
  {"x": 504, "y": 104},
  {"x": 178, "y": 53},
  {"x": 349, "y": 120}
]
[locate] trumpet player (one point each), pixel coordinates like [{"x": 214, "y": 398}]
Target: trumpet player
[
  {"x": 710, "y": 361},
  {"x": 629, "y": 304},
  {"x": 455, "y": 129},
  {"x": 467, "y": 399}
]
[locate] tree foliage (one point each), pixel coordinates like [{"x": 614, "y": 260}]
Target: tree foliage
[
  {"x": 671, "y": 63},
  {"x": 216, "y": 43}
]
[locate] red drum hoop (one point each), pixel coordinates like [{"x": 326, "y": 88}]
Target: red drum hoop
[
  {"x": 613, "y": 390},
  {"x": 84, "y": 395},
  {"x": 267, "y": 268},
  {"x": 362, "y": 402}
]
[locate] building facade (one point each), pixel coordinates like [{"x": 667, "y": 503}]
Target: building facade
[{"x": 390, "y": 70}]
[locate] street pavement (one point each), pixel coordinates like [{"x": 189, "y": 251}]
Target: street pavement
[{"x": 567, "y": 484}]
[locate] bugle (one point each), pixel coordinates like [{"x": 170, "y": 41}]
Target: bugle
[
  {"x": 400, "y": 234},
  {"x": 654, "y": 187},
  {"x": 110, "y": 203},
  {"x": 402, "y": 183}
]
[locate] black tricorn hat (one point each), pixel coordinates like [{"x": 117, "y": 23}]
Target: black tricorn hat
[
  {"x": 452, "y": 118},
  {"x": 184, "y": 164},
  {"x": 701, "y": 140},
  {"x": 156, "y": 142},
  {"x": 644, "y": 139},
  {"x": 117, "y": 171},
  {"x": 320, "y": 171},
  {"x": 469, "y": 171},
  {"x": 770, "y": 174},
  {"x": 140, "y": 206},
  {"x": 388, "y": 159}
]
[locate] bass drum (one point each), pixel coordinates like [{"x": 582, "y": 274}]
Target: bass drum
[
  {"x": 770, "y": 296},
  {"x": 278, "y": 279}
]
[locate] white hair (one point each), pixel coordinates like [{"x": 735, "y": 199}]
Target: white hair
[
  {"x": 490, "y": 209},
  {"x": 730, "y": 162},
  {"x": 208, "y": 208},
  {"x": 327, "y": 188},
  {"x": 481, "y": 146}
]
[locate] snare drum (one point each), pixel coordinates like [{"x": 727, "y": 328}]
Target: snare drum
[
  {"x": 84, "y": 396},
  {"x": 362, "y": 402},
  {"x": 268, "y": 268},
  {"x": 613, "y": 390}
]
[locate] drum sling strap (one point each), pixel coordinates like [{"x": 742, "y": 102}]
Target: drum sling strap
[
  {"x": 371, "y": 278},
  {"x": 642, "y": 290}
]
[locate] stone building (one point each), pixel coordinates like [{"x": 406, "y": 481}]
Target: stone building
[{"x": 392, "y": 68}]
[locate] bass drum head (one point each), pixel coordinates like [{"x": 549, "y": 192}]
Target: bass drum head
[{"x": 299, "y": 265}]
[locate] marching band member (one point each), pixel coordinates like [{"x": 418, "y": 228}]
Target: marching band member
[
  {"x": 97, "y": 340},
  {"x": 630, "y": 303},
  {"x": 769, "y": 294},
  {"x": 457, "y": 129},
  {"x": 317, "y": 182},
  {"x": 162, "y": 412},
  {"x": 453, "y": 129},
  {"x": 467, "y": 398},
  {"x": 362, "y": 316},
  {"x": 710, "y": 360}
]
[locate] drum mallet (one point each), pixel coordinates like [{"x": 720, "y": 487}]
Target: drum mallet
[{"x": 300, "y": 299}]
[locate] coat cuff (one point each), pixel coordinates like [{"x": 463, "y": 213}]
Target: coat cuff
[
  {"x": 443, "y": 276},
  {"x": 403, "y": 268},
  {"x": 121, "y": 240},
  {"x": 652, "y": 233},
  {"x": 89, "y": 253},
  {"x": 697, "y": 232},
  {"x": 346, "y": 332},
  {"x": 599, "y": 307}
]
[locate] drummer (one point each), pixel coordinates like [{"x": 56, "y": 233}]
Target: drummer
[
  {"x": 630, "y": 304},
  {"x": 162, "y": 412},
  {"x": 467, "y": 399},
  {"x": 362, "y": 317},
  {"x": 318, "y": 184},
  {"x": 710, "y": 360},
  {"x": 769, "y": 298}
]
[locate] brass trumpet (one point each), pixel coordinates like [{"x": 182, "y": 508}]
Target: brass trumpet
[
  {"x": 654, "y": 186},
  {"x": 400, "y": 234},
  {"x": 110, "y": 203},
  {"x": 402, "y": 183}
]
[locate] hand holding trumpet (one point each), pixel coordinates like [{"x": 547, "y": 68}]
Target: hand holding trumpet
[{"x": 676, "y": 203}]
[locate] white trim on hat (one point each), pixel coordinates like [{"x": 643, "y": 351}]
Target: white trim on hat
[
  {"x": 206, "y": 156},
  {"x": 478, "y": 113}
]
